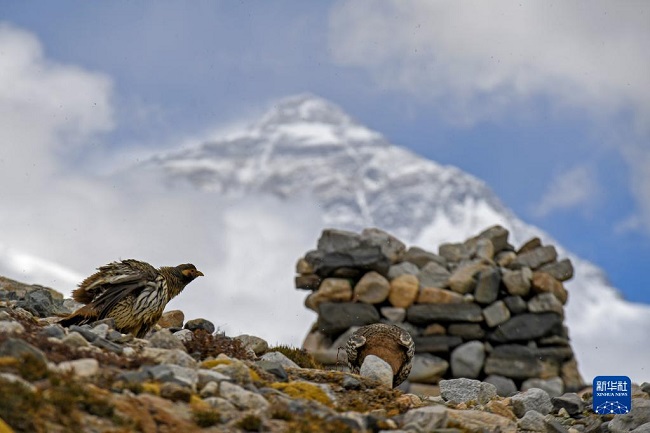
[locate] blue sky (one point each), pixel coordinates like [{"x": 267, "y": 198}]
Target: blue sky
[{"x": 548, "y": 103}]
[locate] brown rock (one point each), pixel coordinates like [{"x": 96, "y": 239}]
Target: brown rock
[
  {"x": 474, "y": 421},
  {"x": 403, "y": 291},
  {"x": 517, "y": 282},
  {"x": 501, "y": 407},
  {"x": 307, "y": 282},
  {"x": 330, "y": 290},
  {"x": 303, "y": 267},
  {"x": 530, "y": 245},
  {"x": 424, "y": 389},
  {"x": 573, "y": 381},
  {"x": 434, "y": 295},
  {"x": 434, "y": 329},
  {"x": 462, "y": 279},
  {"x": 484, "y": 249},
  {"x": 372, "y": 288},
  {"x": 153, "y": 414},
  {"x": 505, "y": 258},
  {"x": 545, "y": 283},
  {"x": 172, "y": 319},
  {"x": 497, "y": 235}
]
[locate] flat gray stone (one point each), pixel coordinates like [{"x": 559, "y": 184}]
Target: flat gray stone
[
  {"x": 515, "y": 304},
  {"x": 336, "y": 317},
  {"x": 164, "y": 339},
  {"x": 464, "y": 390},
  {"x": 389, "y": 245},
  {"x": 404, "y": 268},
  {"x": 427, "y": 368},
  {"x": 280, "y": 359},
  {"x": 423, "y": 314},
  {"x": 571, "y": 402},
  {"x": 275, "y": 368},
  {"x": 532, "y": 421},
  {"x": 436, "y": 343},
  {"x": 544, "y": 303},
  {"x": 420, "y": 257},
  {"x": 487, "y": 287},
  {"x": 533, "y": 399},
  {"x": 536, "y": 257},
  {"x": 496, "y": 314},
  {"x": 241, "y": 398},
  {"x": 467, "y": 360},
  {"x": 528, "y": 326},
  {"x": 513, "y": 361},
  {"x": 425, "y": 419},
  {"x": 433, "y": 275},
  {"x": 554, "y": 386},
  {"x": 175, "y": 374},
  {"x": 393, "y": 314},
  {"x": 505, "y": 386},
  {"x": 256, "y": 344},
  {"x": 643, "y": 428},
  {"x": 454, "y": 252},
  {"x": 206, "y": 376},
  {"x": 635, "y": 418},
  {"x": 561, "y": 271},
  {"x": 467, "y": 331}
]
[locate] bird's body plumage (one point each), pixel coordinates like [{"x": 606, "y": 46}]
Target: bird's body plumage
[
  {"x": 389, "y": 342},
  {"x": 133, "y": 293}
]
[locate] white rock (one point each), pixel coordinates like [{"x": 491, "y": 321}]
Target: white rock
[
  {"x": 374, "y": 367},
  {"x": 279, "y": 358},
  {"x": 84, "y": 367},
  {"x": 242, "y": 398},
  {"x": 11, "y": 328}
]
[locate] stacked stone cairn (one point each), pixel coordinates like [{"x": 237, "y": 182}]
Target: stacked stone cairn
[{"x": 479, "y": 309}]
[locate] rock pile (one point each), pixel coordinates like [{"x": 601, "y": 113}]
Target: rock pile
[
  {"x": 479, "y": 309},
  {"x": 185, "y": 377}
]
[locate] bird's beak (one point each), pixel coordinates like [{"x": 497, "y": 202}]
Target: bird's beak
[{"x": 199, "y": 274}]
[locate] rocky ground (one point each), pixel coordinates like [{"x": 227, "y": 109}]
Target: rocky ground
[{"x": 186, "y": 377}]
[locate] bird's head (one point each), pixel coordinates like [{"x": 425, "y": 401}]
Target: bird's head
[{"x": 189, "y": 272}]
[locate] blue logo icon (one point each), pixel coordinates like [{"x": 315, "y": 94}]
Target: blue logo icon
[{"x": 612, "y": 394}]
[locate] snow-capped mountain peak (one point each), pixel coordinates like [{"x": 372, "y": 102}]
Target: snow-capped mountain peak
[
  {"x": 307, "y": 145},
  {"x": 308, "y": 148}
]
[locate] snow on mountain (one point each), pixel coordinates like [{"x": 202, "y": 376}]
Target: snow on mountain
[{"x": 306, "y": 148}]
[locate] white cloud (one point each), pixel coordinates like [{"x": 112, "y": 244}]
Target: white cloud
[
  {"x": 47, "y": 109},
  {"x": 474, "y": 59},
  {"x": 574, "y": 188}
]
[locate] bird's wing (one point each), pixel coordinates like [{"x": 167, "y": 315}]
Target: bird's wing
[
  {"x": 354, "y": 343},
  {"x": 114, "y": 278},
  {"x": 406, "y": 340}
]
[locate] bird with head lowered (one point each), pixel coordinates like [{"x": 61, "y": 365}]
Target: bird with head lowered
[{"x": 132, "y": 293}]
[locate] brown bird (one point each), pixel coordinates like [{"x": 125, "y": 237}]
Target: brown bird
[
  {"x": 131, "y": 292},
  {"x": 388, "y": 342}
]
